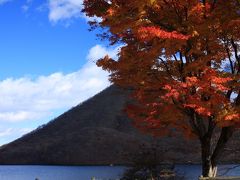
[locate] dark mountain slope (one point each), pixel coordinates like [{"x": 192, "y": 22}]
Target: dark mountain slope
[{"x": 95, "y": 132}]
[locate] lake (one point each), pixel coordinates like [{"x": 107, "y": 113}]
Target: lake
[{"x": 190, "y": 172}]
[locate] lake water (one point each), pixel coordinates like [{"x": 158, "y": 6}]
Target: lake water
[{"x": 190, "y": 172}]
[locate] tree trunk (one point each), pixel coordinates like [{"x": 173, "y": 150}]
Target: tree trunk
[
  {"x": 209, "y": 168},
  {"x": 209, "y": 158},
  {"x": 210, "y": 152}
]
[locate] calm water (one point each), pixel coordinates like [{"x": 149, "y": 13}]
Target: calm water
[
  {"x": 190, "y": 172},
  {"x": 59, "y": 172}
]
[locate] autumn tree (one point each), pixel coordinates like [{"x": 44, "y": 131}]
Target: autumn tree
[{"x": 182, "y": 58}]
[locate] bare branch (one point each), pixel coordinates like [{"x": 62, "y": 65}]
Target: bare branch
[{"x": 236, "y": 53}]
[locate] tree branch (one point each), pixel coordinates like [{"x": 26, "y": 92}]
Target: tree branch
[
  {"x": 213, "y": 4},
  {"x": 230, "y": 59},
  {"x": 236, "y": 53}
]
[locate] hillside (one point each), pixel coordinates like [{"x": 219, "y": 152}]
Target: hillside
[{"x": 97, "y": 132}]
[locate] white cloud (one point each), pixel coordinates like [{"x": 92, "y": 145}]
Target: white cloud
[
  {"x": 32, "y": 99},
  {"x": 64, "y": 9},
  {"x": 4, "y": 1},
  {"x": 25, "y": 8},
  {"x": 12, "y": 131},
  {"x": 27, "y": 5},
  {"x": 99, "y": 51},
  {"x": 6, "y": 132},
  {"x": 9, "y": 134}
]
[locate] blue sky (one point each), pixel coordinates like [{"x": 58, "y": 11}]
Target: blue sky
[
  {"x": 39, "y": 45},
  {"x": 47, "y": 62}
]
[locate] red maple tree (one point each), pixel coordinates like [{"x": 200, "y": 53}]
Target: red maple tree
[{"x": 182, "y": 59}]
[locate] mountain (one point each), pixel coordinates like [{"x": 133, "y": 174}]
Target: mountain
[{"x": 98, "y": 132}]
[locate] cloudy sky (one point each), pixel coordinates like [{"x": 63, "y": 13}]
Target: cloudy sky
[{"x": 47, "y": 60}]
